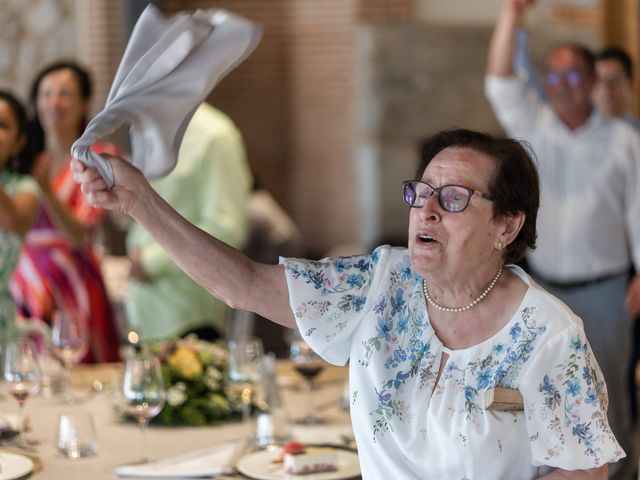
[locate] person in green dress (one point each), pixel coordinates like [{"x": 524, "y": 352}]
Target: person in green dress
[{"x": 19, "y": 195}]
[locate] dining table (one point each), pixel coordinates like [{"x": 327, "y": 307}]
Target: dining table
[{"x": 119, "y": 441}]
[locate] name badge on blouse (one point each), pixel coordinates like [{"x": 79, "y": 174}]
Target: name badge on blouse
[{"x": 503, "y": 400}]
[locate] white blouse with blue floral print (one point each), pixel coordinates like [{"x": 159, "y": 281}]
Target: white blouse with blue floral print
[{"x": 371, "y": 311}]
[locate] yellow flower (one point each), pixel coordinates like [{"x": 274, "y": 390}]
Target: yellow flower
[{"x": 185, "y": 362}]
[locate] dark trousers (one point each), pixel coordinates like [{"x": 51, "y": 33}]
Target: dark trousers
[{"x": 635, "y": 357}]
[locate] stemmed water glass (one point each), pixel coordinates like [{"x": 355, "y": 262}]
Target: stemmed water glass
[
  {"x": 308, "y": 364},
  {"x": 144, "y": 392},
  {"x": 70, "y": 342},
  {"x": 245, "y": 370},
  {"x": 21, "y": 374}
]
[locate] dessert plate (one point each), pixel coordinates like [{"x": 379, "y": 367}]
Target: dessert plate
[
  {"x": 14, "y": 465},
  {"x": 259, "y": 465}
]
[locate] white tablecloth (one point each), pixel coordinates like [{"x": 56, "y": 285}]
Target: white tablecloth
[{"x": 120, "y": 442}]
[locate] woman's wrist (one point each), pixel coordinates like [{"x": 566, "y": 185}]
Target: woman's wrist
[{"x": 145, "y": 205}]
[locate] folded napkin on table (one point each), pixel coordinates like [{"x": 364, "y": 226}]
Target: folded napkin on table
[
  {"x": 168, "y": 69},
  {"x": 207, "y": 462}
]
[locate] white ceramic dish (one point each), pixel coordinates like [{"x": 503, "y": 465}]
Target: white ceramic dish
[
  {"x": 259, "y": 465},
  {"x": 14, "y": 466}
]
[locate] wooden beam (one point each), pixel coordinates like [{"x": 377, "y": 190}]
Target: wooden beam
[{"x": 620, "y": 26}]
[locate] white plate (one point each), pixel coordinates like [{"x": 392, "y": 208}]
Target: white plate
[
  {"x": 14, "y": 465},
  {"x": 259, "y": 465}
]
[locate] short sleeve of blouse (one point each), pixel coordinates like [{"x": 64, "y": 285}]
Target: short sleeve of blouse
[
  {"x": 330, "y": 298},
  {"x": 18, "y": 183},
  {"x": 565, "y": 401}
]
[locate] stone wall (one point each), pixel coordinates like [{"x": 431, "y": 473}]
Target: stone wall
[
  {"x": 419, "y": 80},
  {"x": 32, "y": 34}
]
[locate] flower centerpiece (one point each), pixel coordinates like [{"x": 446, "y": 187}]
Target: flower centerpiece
[{"x": 195, "y": 377}]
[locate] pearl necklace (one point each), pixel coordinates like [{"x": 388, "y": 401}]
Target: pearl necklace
[{"x": 466, "y": 307}]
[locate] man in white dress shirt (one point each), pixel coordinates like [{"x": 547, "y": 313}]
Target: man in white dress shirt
[{"x": 589, "y": 217}]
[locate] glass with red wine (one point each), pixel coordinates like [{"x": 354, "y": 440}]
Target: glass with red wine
[
  {"x": 21, "y": 374},
  {"x": 308, "y": 364}
]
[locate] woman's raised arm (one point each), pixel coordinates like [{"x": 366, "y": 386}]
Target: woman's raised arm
[{"x": 224, "y": 271}]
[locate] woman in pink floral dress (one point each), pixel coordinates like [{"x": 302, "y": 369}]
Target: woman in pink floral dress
[{"x": 58, "y": 269}]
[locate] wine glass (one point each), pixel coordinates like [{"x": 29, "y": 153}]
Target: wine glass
[
  {"x": 144, "y": 392},
  {"x": 70, "y": 343},
  {"x": 308, "y": 364},
  {"x": 245, "y": 369},
  {"x": 21, "y": 374}
]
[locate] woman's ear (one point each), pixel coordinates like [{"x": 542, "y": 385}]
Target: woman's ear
[{"x": 512, "y": 224}]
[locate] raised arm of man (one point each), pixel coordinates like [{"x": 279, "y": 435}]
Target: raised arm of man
[{"x": 503, "y": 41}]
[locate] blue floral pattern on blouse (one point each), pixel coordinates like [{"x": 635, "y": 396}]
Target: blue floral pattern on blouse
[
  {"x": 403, "y": 353},
  {"x": 576, "y": 382}
]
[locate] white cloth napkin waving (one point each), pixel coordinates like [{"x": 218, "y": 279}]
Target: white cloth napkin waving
[
  {"x": 218, "y": 460},
  {"x": 168, "y": 69}
]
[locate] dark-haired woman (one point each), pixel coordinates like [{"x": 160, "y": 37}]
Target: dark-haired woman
[
  {"x": 58, "y": 269},
  {"x": 18, "y": 199}
]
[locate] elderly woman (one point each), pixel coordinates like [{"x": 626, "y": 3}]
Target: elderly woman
[{"x": 427, "y": 330}]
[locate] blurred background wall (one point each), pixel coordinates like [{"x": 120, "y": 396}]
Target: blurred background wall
[{"x": 336, "y": 99}]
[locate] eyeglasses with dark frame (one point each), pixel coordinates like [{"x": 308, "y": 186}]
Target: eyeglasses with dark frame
[
  {"x": 573, "y": 77},
  {"x": 452, "y": 198}
]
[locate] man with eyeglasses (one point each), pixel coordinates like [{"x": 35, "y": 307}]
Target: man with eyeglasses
[{"x": 588, "y": 228}]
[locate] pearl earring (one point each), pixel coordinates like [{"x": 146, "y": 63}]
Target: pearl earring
[{"x": 499, "y": 246}]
